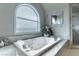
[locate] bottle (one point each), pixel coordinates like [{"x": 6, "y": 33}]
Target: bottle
[{"x": 1, "y": 43}]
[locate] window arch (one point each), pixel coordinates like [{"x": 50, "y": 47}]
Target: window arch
[{"x": 27, "y": 19}]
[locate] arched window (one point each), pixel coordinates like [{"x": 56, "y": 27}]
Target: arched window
[{"x": 27, "y": 19}]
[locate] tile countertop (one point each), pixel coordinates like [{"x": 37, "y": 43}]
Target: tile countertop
[
  {"x": 53, "y": 51},
  {"x": 8, "y": 51}
]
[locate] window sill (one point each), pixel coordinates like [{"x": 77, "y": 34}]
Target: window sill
[{"x": 26, "y": 33}]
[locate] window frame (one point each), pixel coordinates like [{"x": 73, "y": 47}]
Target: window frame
[{"x": 38, "y": 18}]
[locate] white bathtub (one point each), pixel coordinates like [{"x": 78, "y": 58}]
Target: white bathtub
[{"x": 35, "y": 46}]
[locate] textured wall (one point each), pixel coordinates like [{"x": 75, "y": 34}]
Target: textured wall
[{"x": 57, "y": 8}]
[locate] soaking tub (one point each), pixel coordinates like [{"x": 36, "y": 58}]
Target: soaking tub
[{"x": 35, "y": 46}]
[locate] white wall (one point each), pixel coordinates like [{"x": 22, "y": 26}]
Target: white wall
[
  {"x": 56, "y": 8},
  {"x": 75, "y": 21},
  {"x": 7, "y": 17}
]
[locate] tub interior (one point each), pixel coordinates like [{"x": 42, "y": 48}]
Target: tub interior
[{"x": 35, "y": 44}]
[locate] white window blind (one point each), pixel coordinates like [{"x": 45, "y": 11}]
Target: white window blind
[{"x": 27, "y": 19}]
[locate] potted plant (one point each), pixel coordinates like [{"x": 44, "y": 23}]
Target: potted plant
[{"x": 47, "y": 31}]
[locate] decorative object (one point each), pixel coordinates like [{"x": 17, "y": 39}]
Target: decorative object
[
  {"x": 4, "y": 41},
  {"x": 57, "y": 19}
]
